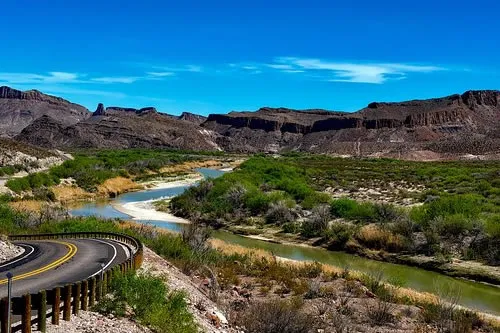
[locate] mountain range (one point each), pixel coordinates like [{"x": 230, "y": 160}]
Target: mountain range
[{"x": 465, "y": 124}]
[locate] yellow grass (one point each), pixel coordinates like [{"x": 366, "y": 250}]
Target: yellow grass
[
  {"x": 67, "y": 193},
  {"x": 27, "y": 205},
  {"x": 373, "y": 236},
  {"x": 117, "y": 185},
  {"x": 189, "y": 166}
]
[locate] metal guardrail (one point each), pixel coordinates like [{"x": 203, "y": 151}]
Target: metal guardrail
[{"x": 72, "y": 297}]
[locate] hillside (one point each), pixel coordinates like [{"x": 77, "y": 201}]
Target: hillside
[
  {"x": 116, "y": 127},
  {"x": 18, "y": 109},
  {"x": 456, "y": 126}
]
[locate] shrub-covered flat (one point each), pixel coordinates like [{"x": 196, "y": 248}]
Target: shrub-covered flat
[{"x": 441, "y": 209}]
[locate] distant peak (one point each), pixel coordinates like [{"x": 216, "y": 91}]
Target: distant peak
[{"x": 100, "y": 111}]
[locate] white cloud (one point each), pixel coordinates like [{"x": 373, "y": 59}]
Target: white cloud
[
  {"x": 32, "y": 78},
  {"x": 160, "y": 74},
  {"x": 375, "y": 73},
  {"x": 280, "y": 66},
  {"x": 250, "y": 68},
  {"x": 117, "y": 79}
]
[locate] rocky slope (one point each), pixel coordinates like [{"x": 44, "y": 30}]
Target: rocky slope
[
  {"x": 466, "y": 125},
  {"x": 457, "y": 124},
  {"x": 18, "y": 109},
  {"x": 116, "y": 127}
]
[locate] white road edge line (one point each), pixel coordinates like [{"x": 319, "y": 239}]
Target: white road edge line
[
  {"x": 112, "y": 259},
  {"x": 23, "y": 257}
]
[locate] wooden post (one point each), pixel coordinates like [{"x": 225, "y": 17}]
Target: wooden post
[
  {"x": 76, "y": 298},
  {"x": 104, "y": 284},
  {"x": 98, "y": 294},
  {"x": 92, "y": 292},
  {"x": 56, "y": 306},
  {"x": 67, "y": 303},
  {"x": 42, "y": 311},
  {"x": 85, "y": 294},
  {"x": 26, "y": 315},
  {"x": 5, "y": 314},
  {"x": 109, "y": 279}
]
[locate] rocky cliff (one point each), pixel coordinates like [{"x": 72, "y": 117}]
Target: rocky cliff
[
  {"x": 469, "y": 118},
  {"x": 467, "y": 123},
  {"x": 18, "y": 109}
]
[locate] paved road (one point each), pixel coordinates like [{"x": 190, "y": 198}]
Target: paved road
[{"x": 52, "y": 263}]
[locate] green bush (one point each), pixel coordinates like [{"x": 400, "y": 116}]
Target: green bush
[{"x": 151, "y": 302}]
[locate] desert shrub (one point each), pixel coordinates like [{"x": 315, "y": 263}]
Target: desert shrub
[
  {"x": 151, "y": 302},
  {"x": 257, "y": 201},
  {"x": 314, "y": 199},
  {"x": 353, "y": 210},
  {"x": 455, "y": 225},
  {"x": 275, "y": 316},
  {"x": 291, "y": 228},
  {"x": 338, "y": 234},
  {"x": 342, "y": 207},
  {"x": 7, "y": 170},
  {"x": 467, "y": 205},
  {"x": 377, "y": 238},
  {"x": 317, "y": 223},
  {"x": 279, "y": 213},
  {"x": 385, "y": 212}
]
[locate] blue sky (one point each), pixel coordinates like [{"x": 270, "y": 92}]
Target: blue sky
[{"x": 218, "y": 56}]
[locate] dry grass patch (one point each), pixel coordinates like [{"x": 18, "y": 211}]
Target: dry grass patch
[
  {"x": 377, "y": 238},
  {"x": 68, "y": 193},
  {"x": 114, "y": 186},
  {"x": 27, "y": 205}
]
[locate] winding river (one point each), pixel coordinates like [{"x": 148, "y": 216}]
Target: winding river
[{"x": 474, "y": 295}]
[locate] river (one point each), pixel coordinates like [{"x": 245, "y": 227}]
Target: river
[{"x": 474, "y": 295}]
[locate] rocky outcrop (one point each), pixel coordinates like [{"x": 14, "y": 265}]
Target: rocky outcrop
[
  {"x": 18, "y": 109},
  {"x": 192, "y": 118},
  {"x": 378, "y": 127},
  {"x": 100, "y": 111}
]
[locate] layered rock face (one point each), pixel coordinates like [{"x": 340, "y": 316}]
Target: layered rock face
[
  {"x": 116, "y": 127},
  {"x": 18, "y": 109},
  {"x": 454, "y": 125},
  {"x": 467, "y": 120}
]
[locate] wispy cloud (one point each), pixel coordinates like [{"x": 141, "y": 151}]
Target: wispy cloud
[
  {"x": 160, "y": 74},
  {"x": 32, "y": 78},
  {"x": 355, "y": 72},
  {"x": 117, "y": 79}
]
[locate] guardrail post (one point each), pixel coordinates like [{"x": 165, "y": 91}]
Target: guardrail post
[
  {"x": 56, "y": 306},
  {"x": 92, "y": 292},
  {"x": 42, "y": 311},
  {"x": 98, "y": 294},
  {"x": 5, "y": 314},
  {"x": 26, "y": 315},
  {"x": 109, "y": 276},
  {"x": 104, "y": 284},
  {"x": 76, "y": 298},
  {"x": 67, "y": 303},
  {"x": 85, "y": 294}
]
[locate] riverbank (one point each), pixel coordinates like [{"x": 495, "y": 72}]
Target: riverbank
[{"x": 470, "y": 270}]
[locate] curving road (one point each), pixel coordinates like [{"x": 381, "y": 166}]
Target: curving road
[{"x": 52, "y": 263}]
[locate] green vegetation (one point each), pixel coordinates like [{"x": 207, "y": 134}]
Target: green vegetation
[
  {"x": 459, "y": 200},
  {"x": 91, "y": 168},
  {"x": 151, "y": 302}
]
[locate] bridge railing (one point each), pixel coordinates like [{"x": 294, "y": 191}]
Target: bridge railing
[{"x": 68, "y": 299}]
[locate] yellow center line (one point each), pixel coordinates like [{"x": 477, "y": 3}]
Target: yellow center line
[{"x": 72, "y": 251}]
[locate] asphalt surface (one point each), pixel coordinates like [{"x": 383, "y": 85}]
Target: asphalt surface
[{"x": 55, "y": 263}]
